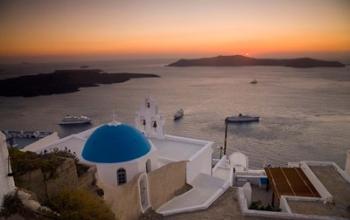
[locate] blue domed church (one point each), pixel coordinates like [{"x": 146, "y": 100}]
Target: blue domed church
[{"x": 119, "y": 151}]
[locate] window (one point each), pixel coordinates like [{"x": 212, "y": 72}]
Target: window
[{"x": 121, "y": 175}]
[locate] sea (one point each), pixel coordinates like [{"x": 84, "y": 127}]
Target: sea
[{"x": 304, "y": 112}]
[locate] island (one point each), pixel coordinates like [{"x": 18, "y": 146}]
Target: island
[
  {"x": 239, "y": 60},
  {"x": 62, "y": 81}
]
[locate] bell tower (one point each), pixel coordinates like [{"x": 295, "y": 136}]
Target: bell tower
[{"x": 149, "y": 120}]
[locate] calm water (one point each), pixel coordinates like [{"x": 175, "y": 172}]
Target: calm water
[{"x": 305, "y": 113}]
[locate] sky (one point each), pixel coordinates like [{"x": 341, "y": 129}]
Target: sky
[{"x": 167, "y": 28}]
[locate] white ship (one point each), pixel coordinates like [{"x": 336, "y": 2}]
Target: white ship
[{"x": 73, "y": 120}]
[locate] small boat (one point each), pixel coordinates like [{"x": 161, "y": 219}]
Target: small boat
[
  {"x": 179, "y": 114},
  {"x": 242, "y": 119},
  {"x": 254, "y": 81},
  {"x": 74, "y": 120}
]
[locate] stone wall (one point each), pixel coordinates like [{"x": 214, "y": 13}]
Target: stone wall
[
  {"x": 66, "y": 178},
  {"x": 88, "y": 179},
  {"x": 35, "y": 181},
  {"x": 124, "y": 200},
  {"x": 165, "y": 182}
]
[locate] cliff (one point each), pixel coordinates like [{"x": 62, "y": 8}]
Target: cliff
[
  {"x": 53, "y": 186},
  {"x": 238, "y": 60},
  {"x": 48, "y": 174}
]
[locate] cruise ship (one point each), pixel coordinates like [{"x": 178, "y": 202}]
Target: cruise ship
[{"x": 73, "y": 120}]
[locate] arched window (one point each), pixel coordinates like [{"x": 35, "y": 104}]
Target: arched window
[
  {"x": 155, "y": 124},
  {"x": 148, "y": 166},
  {"x": 121, "y": 176}
]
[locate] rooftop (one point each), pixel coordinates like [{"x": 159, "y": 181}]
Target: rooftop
[
  {"x": 205, "y": 190},
  {"x": 170, "y": 148},
  {"x": 336, "y": 185},
  {"x": 177, "y": 148},
  {"x": 334, "y": 182},
  {"x": 225, "y": 207}
]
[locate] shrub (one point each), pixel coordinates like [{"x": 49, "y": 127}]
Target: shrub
[
  {"x": 11, "y": 205},
  {"x": 23, "y": 162},
  {"x": 81, "y": 168},
  {"x": 257, "y": 205},
  {"x": 79, "y": 204}
]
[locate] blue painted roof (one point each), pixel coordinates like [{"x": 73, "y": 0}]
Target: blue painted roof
[{"x": 114, "y": 143}]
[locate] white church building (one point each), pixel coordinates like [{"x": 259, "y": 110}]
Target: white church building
[
  {"x": 121, "y": 151},
  {"x": 117, "y": 146}
]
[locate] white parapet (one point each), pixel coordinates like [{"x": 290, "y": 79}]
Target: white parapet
[
  {"x": 223, "y": 170},
  {"x": 206, "y": 189},
  {"x": 321, "y": 189}
]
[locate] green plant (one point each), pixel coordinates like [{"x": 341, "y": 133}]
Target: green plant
[
  {"x": 79, "y": 204},
  {"x": 11, "y": 205},
  {"x": 66, "y": 153},
  {"x": 23, "y": 162},
  {"x": 257, "y": 205}
]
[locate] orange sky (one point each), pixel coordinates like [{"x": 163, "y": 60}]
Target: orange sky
[{"x": 168, "y": 27}]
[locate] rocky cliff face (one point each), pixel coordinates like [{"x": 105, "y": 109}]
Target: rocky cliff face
[
  {"x": 58, "y": 181},
  {"x": 45, "y": 185}
]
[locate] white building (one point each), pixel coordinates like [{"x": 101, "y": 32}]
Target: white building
[
  {"x": 131, "y": 150},
  {"x": 7, "y": 184}
]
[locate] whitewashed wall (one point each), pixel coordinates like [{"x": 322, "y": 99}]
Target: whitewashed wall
[
  {"x": 199, "y": 163},
  {"x": 247, "y": 190},
  {"x": 7, "y": 183},
  {"x": 107, "y": 172}
]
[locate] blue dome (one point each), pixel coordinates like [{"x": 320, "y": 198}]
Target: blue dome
[{"x": 113, "y": 143}]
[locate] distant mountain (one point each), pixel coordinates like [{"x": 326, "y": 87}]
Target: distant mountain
[
  {"x": 238, "y": 60},
  {"x": 62, "y": 81}
]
